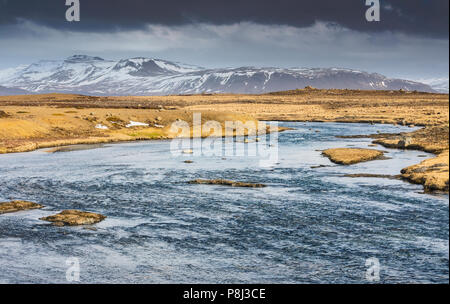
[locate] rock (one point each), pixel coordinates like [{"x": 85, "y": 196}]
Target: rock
[
  {"x": 3, "y": 114},
  {"x": 319, "y": 166},
  {"x": 15, "y": 206},
  {"x": 404, "y": 142},
  {"x": 349, "y": 156},
  {"x": 74, "y": 218},
  {"x": 159, "y": 118},
  {"x": 226, "y": 183}
]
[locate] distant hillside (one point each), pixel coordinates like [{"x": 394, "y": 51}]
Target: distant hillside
[
  {"x": 440, "y": 85},
  {"x": 11, "y": 91}
]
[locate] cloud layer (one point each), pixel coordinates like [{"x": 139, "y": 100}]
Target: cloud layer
[
  {"x": 239, "y": 44},
  {"x": 414, "y": 17},
  {"x": 410, "y": 41}
]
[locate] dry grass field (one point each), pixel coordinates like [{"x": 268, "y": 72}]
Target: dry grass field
[{"x": 38, "y": 121}]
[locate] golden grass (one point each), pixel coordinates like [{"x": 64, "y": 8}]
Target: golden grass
[
  {"x": 74, "y": 218},
  {"x": 432, "y": 173},
  {"x": 14, "y": 206},
  {"x": 349, "y": 156}
]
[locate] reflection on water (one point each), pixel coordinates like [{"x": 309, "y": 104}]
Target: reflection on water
[{"x": 308, "y": 225}]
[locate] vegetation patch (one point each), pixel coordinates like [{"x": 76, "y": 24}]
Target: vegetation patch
[
  {"x": 3, "y": 114},
  {"x": 349, "y": 156},
  {"x": 74, "y": 218},
  {"x": 146, "y": 134},
  {"x": 15, "y": 206}
]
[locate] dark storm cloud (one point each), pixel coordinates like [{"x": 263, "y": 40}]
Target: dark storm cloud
[{"x": 416, "y": 17}]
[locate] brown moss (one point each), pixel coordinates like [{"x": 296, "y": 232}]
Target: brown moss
[
  {"x": 74, "y": 218},
  {"x": 369, "y": 175},
  {"x": 349, "y": 156},
  {"x": 116, "y": 120},
  {"x": 15, "y": 206},
  {"x": 3, "y": 114},
  {"x": 224, "y": 182},
  {"x": 432, "y": 173}
]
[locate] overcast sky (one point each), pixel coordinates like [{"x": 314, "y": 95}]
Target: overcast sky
[{"x": 410, "y": 41}]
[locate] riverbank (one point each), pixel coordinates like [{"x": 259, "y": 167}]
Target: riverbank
[
  {"x": 41, "y": 121},
  {"x": 28, "y": 128}
]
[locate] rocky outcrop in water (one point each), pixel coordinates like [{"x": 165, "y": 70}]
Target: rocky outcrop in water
[
  {"x": 74, "y": 218},
  {"x": 431, "y": 173},
  {"x": 15, "y": 206},
  {"x": 349, "y": 156},
  {"x": 225, "y": 182}
]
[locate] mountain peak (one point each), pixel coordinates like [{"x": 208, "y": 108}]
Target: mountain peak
[{"x": 82, "y": 58}]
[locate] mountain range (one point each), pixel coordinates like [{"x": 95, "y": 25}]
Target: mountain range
[{"x": 89, "y": 75}]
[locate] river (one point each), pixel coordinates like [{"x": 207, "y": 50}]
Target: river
[{"x": 309, "y": 225}]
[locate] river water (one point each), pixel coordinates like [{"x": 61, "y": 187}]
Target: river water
[{"x": 309, "y": 225}]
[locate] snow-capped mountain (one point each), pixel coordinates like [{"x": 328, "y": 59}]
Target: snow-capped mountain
[
  {"x": 440, "y": 85},
  {"x": 143, "y": 76}
]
